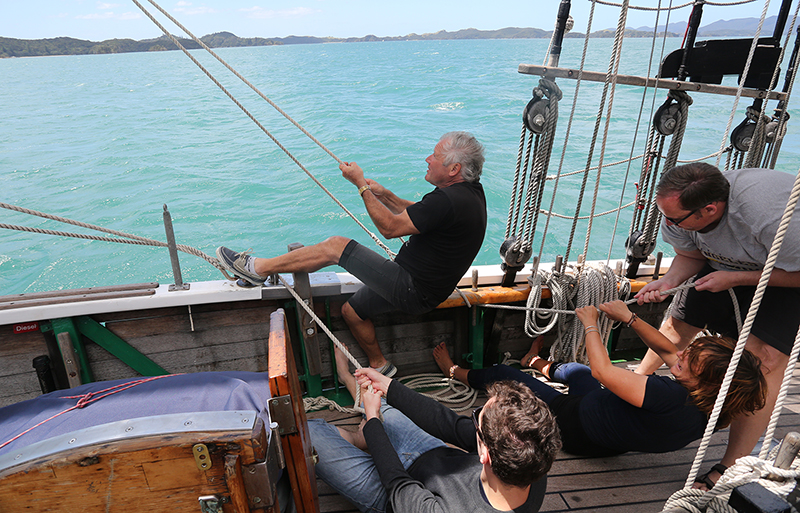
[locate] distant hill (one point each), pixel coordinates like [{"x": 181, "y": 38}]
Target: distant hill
[
  {"x": 741, "y": 27},
  {"x": 10, "y": 47}
]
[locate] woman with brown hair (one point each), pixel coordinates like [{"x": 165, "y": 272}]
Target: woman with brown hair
[{"x": 610, "y": 410}]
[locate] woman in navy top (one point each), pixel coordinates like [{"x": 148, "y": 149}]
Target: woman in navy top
[{"x": 610, "y": 410}]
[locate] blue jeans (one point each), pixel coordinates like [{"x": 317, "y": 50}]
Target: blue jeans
[
  {"x": 352, "y": 472},
  {"x": 566, "y": 407},
  {"x": 576, "y": 375}
]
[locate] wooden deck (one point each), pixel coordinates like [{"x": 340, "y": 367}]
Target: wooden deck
[{"x": 632, "y": 482}]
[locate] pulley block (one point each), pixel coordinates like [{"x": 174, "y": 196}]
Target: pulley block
[
  {"x": 514, "y": 256},
  {"x": 667, "y": 118},
  {"x": 535, "y": 115},
  {"x": 637, "y": 248},
  {"x": 771, "y": 130},
  {"x": 742, "y": 135}
]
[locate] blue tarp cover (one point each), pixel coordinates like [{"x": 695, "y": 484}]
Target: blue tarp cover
[{"x": 183, "y": 393}]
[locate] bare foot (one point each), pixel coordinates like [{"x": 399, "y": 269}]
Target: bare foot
[
  {"x": 343, "y": 370},
  {"x": 354, "y": 437},
  {"x": 442, "y": 358},
  {"x": 536, "y": 347}
]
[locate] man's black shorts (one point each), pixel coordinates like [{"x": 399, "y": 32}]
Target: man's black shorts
[
  {"x": 388, "y": 287},
  {"x": 776, "y": 323}
]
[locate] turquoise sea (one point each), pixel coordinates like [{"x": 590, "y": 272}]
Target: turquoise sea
[{"x": 110, "y": 139}]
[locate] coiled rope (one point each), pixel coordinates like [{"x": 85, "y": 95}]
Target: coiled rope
[{"x": 747, "y": 469}]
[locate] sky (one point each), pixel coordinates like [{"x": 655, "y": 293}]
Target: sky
[{"x": 100, "y": 20}]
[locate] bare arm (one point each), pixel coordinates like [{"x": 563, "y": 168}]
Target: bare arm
[
  {"x": 393, "y": 202},
  {"x": 626, "y": 385},
  {"x": 389, "y": 223},
  {"x": 654, "y": 339},
  {"x": 723, "y": 280}
]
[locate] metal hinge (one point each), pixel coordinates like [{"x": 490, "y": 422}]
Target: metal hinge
[
  {"x": 280, "y": 411},
  {"x": 201, "y": 457}
]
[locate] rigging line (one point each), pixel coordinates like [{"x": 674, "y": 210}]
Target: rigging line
[
  {"x": 134, "y": 239},
  {"x": 569, "y": 126},
  {"x": 774, "y": 82},
  {"x": 243, "y": 79},
  {"x": 676, "y": 7},
  {"x": 739, "y": 90},
  {"x": 537, "y": 309},
  {"x": 264, "y": 129},
  {"x": 753, "y": 158},
  {"x": 639, "y": 119},
  {"x": 783, "y": 119},
  {"x": 515, "y": 182},
  {"x": 637, "y": 157},
  {"x": 562, "y": 216},
  {"x": 638, "y": 8},
  {"x": 593, "y": 143},
  {"x": 617, "y": 53}
]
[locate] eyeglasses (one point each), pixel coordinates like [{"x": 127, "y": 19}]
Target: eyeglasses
[
  {"x": 682, "y": 219},
  {"x": 475, "y": 414}
]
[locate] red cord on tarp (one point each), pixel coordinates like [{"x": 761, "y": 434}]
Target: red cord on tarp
[{"x": 88, "y": 398}]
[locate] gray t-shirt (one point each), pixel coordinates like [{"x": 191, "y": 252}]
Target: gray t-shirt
[{"x": 742, "y": 240}]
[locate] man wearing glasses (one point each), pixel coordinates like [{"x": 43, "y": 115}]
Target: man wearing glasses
[
  {"x": 721, "y": 226},
  {"x": 498, "y": 460}
]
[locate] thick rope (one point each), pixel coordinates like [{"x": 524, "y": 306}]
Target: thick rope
[
  {"x": 262, "y": 127},
  {"x": 739, "y": 90},
  {"x": 569, "y": 125},
  {"x": 243, "y": 79},
  {"x": 134, "y": 239},
  {"x": 781, "y": 399},
  {"x": 565, "y": 311},
  {"x": 609, "y": 80},
  {"x": 747, "y": 469},
  {"x": 595, "y": 286}
]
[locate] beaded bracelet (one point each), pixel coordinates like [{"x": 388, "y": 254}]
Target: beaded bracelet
[{"x": 453, "y": 371}]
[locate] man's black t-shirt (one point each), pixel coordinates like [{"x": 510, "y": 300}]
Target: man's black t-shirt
[{"x": 452, "y": 223}]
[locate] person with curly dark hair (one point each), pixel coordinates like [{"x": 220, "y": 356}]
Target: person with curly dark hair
[
  {"x": 399, "y": 460},
  {"x": 610, "y": 410}
]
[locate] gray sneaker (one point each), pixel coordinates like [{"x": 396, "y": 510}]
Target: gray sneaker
[
  {"x": 388, "y": 369},
  {"x": 236, "y": 263}
]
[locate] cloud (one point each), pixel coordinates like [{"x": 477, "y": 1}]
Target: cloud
[
  {"x": 186, "y": 8},
  {"x": 260, "y": 13},
  {"x": 108, "y": 14},
  {"x": 96, "y": 16}
]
